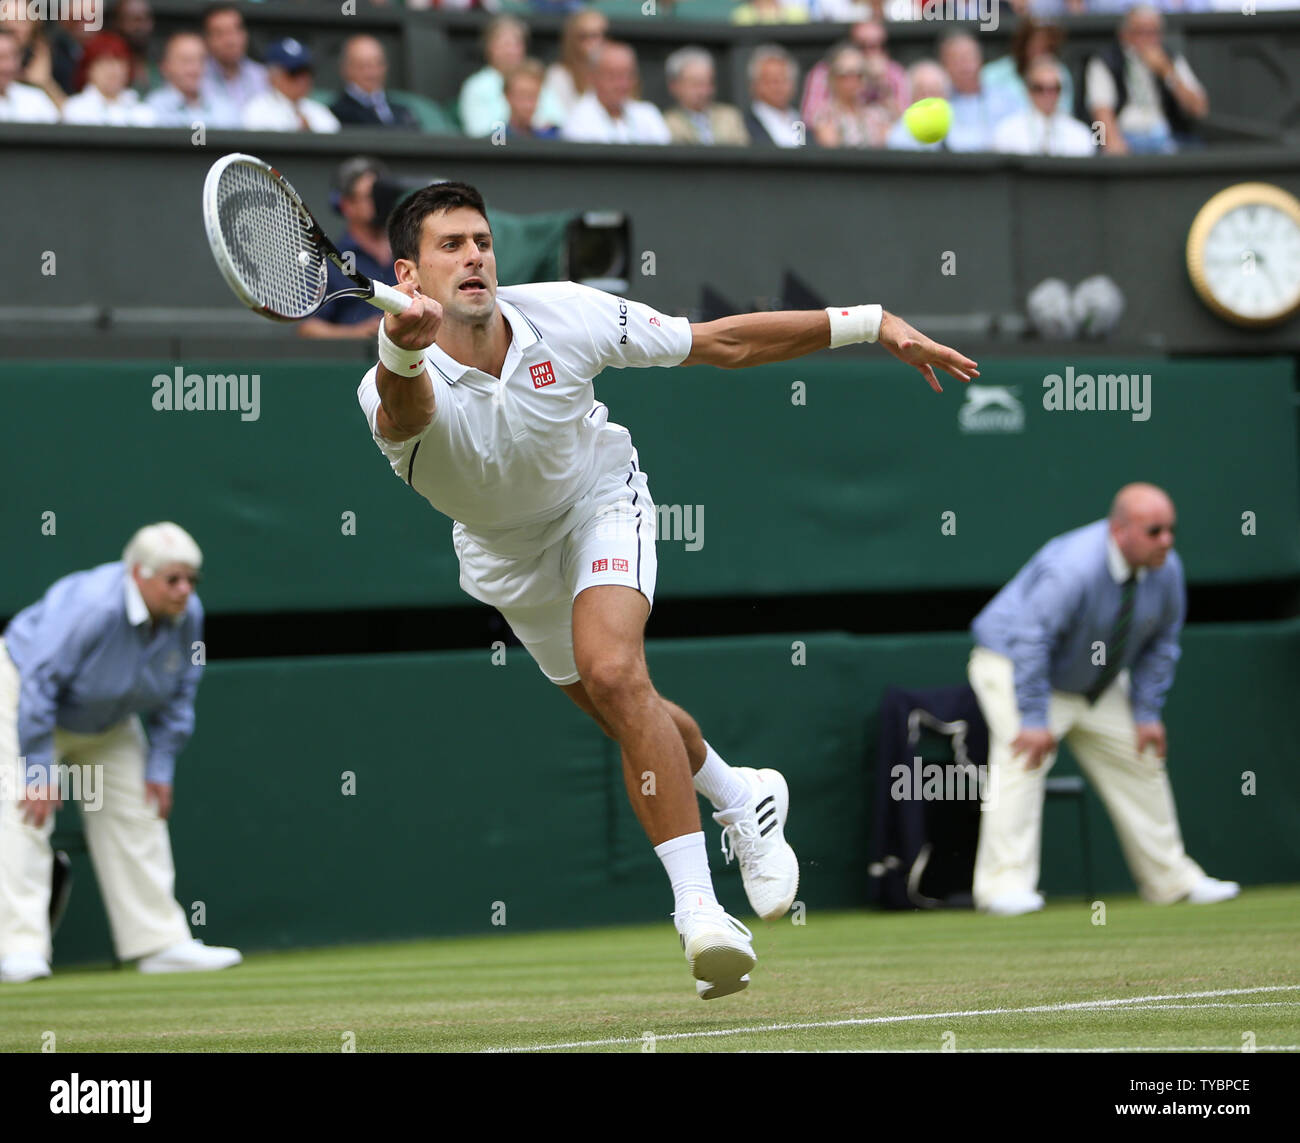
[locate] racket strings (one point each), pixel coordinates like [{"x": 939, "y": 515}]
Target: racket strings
[{"x": 269, "y": 240}]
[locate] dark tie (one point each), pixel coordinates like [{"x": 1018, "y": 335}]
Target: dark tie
[{"x": 1118, "y": 638}]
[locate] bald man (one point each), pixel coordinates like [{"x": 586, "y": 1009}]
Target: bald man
[
  {"x": 363, "y": 67},
  {"x": 1080, "y": 647}
]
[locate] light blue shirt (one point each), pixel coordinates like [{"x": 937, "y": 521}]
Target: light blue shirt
[
  {"x": 88, "y": 657},
  {"x": 483, "y": 105},
  {"x": 975, "y": 118},
  {"x": 1065, "y": 599},
  {"x": 172, "y": 109}
]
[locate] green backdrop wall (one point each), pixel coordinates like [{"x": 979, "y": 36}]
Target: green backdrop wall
[
  {"x": 477, "y": 783},
  {"x": 846, "y": 491}
]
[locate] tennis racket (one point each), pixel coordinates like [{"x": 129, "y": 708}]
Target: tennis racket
[{"x": 270, "y": 249}]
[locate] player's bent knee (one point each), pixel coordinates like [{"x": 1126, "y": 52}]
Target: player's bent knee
[{"x": 614, "y": 679}]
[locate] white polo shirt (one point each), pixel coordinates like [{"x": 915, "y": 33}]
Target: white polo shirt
[{"x": 507, "y": 454}]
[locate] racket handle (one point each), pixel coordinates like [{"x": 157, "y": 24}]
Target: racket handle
[{"x": 388, "y": 299}]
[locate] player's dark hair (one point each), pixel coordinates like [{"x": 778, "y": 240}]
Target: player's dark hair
[{"x": 407, "y": 219}]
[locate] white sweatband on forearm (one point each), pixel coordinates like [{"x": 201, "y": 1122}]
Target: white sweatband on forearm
[
  {"x": 852, "y": 324},
  {"x": 403, "y": 362}
]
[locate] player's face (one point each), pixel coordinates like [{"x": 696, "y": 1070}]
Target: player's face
[
  {"x": 167, "y": 592},
  {"x": 458, "y": 266},
  {"x": 1147, "y": 536}
]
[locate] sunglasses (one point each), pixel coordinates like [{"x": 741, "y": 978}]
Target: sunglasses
[
  {"x": 173, "y": 580},
  {"x": 1044, "y": 88}
]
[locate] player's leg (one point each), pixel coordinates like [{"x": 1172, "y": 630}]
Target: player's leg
[
  {"x": 608, "y": 650},
  {"x": 1009, "y": 851},
  {"x": 26, "y": 860},
  {"x": 751, "y": 805},
  {"x": 1140, "y": 800}
]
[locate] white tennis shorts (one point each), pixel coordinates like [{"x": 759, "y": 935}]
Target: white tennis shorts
[{"x": 533, "y": 575}]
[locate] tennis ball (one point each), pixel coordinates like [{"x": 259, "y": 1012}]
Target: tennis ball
[{"x": 928, "y": 119}]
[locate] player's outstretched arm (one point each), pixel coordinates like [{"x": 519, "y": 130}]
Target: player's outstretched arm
[
  {"x": 759, "y": 339},
  {"x": 405, "y": 389}
]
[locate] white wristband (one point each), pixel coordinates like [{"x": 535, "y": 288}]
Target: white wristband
[
  {"x": 403, "y": 362},
  {"x": 852, "y": 324}
]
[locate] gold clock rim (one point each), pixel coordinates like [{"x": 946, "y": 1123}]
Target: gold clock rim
[{"x": 1211, "y": 212}]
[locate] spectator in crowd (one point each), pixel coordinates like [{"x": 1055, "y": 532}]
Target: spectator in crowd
[
  {"x": 523, "y": 91},
  {"x": 133, "y": 21},
  {"x": 103, "y": 655},
  {"x": 1146, "y": 102},
  {"x": 180, "y": 102},
  {"x": 751, "y": 12},
  {"x": 886, "y": 79},
  {"x": 1116, "y": 585},
  {"x": 482, "y": 104},
  {"x": 926, "y": 79},
  {"x": 771, "y": 118},
  {"x": 696, "y": 118},
  {"x": 569, "y": 77},
  {"x": 20, "y": 102},
  {"x": 1045, "y": 128},
  {"x": 105, "y": 100},
  {"x": 231, "y": 76},
  {"x": 363, "y": 67},
  {"x": 288, "y": 105},
  {"x": 366, "y": 237},
  {"x": 35, "y": 56},
  {"x": 847, "y": 120},
  {"x": 608, "y": 113},
  {"x": 1008, "y": 74},
  {"x": 68, "y": 40},
  {"x": 976, "y": 112}
]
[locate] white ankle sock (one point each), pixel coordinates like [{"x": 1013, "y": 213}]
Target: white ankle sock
[
  {"x": 720, "y": 783},
  {"x": 686, "y": 861}
]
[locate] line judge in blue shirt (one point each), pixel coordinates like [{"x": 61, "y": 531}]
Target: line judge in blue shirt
[
  {"x": 79, "y": 669},
  {"x": 1080, "y": 646}
]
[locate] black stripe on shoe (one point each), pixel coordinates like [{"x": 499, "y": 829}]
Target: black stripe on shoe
[
  {"x": 771, "y": 812},
  {"x": 768, "y": 828},
  {"x": 769, "y": 798}
]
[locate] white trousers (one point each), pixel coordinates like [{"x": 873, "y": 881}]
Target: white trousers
[
  {"x": 1134, "y": 788},
  {"x": 128, "y": 842}
]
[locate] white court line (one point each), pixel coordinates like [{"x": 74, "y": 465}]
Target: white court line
[
  {"x": 1073, "y": 1006},
  {"x": 1235, "y": 1048}
]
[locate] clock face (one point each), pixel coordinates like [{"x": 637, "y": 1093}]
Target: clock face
[{"x": 1243, "y": 254}]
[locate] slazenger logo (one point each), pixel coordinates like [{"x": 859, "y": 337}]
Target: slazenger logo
[
  {"x": 542, "y": 374},
  {"x": 991, "y": 409}
]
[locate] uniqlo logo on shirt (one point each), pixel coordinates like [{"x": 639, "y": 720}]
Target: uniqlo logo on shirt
[
  {"x": 599, "y": 565},
  {"x": 620, "y": 565},
  {"x": 542, "y": 374}
]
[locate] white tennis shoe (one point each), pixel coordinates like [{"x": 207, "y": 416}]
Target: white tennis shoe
[
  {"x": 717, "y": 948},
  {"x": 20, "y": 967},
  {"x": 190, "y": 956},
  {"x": 754, "y": 834}
]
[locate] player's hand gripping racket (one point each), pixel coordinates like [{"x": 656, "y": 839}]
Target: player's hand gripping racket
[{"x": 269, "y": 248}]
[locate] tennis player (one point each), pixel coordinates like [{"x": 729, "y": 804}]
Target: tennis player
[{"x": 483, "y": 403}]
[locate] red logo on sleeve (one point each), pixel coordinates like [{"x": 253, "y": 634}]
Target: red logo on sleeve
[
  {"x": 620, "y": 565},
  {"x": 542, "y": 374},
  {"x": 600, "y": 565}
]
